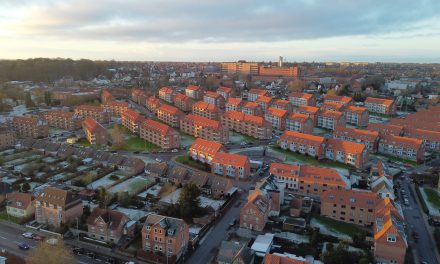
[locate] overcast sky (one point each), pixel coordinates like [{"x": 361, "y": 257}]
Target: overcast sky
[{"x": 222, "y": 30}]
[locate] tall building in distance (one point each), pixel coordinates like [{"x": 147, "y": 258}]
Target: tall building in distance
[{"x": 280, "y": 61}]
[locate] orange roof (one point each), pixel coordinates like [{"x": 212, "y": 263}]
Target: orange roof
[
  {"x": 331, "y": 113},
  {"x": 206, "y": 146},
  {"x": 281, "y": 102},
  {"x": 354, "y": 133},
  {"x": 137, "y": 92},
  {"x": 337, "y": 98},
  {"x": 242, "y": 117},
  {"x": 224, "y": 89},
  {"x": 204, "y": 106},
  {"x": 92, "y": 108},
  {"x": 423, "y": 134},
  {"x": 193, "y": 88},
  {"x": 274, "y": 258},
  {"x": 132, "y": 115},
  {"x": 166, "y": 90},
  {"x": 346, "y": 146},
  {"x": 170, "y": 109},
  {"x": 264, "y": 99},
  {"x": 405, "y": 142},
  {"x": 202, "y": 121},
  {"x": 382, "y": 101},
  {"x": 106, "y": 93},
  {"x": 257, "y": 91},
  {"x": 181, "y": 97},
  {"x": 276, "y": 112},
  {"x": 230, "y": 159},
  {"x": 357, "y": 109},
  {"x": 153, "y": 100},
  {"x": 301, "y": 137},
  {"x": 301, "y": 95},
  {"x": 251, "y": 105},
  {"x": 212, "y": 94},
  {"x": 308, "y": 109},
  {"x": 385, "y": 128},
  {"x": 92, "y": 125},
  {"x": 256, "y": 120},
  {"x": 234, "y": 101},
  {"x": 60, "y": 113},
  {"x": 117, "y": 104},
  {"x": 157, "y": 126},
  {"x": 298, "y": 117},
  {"x": 360, "y": 199},
  {"x": 25, "y": 119},
  {"x": 332, "y": 106}
]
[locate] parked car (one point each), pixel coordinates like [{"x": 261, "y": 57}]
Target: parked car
[
  {"x": 28, "y": 235},
  {"x": 38, "y": 238},
  {"x": 23, "y": 246},
  {"x": 233, "y": 222},
  {"x": 174, "y": 150}
]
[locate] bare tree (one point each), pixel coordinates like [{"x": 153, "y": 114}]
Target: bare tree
[
  {"x": 117, "y": 137},
  {"x": 51, "y": 254}
]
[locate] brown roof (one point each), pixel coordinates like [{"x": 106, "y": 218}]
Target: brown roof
[
  {"x": 229, "y": 159},
  {"x": 57, "y": 197},
  {"x": 360, "y": 199},
  {"x": 92, "y": 125},
  {"x": 113, "y": 219},
  {"x": 19, "y": 200}
]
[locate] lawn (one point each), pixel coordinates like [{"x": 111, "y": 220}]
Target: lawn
[
  {"x": 393, "y": 158},
  {"x": 83, "y": 142},
  {"x": 237, "y": 138},
  {"x": 134, "y": 143},
  {"x": 4, "y": 216},
  {"x": 339, "y": 227},
  {"x": 433, "y": 196},
  {"x": 185, "y": 159},
  {"x": 186, "y": 140}
]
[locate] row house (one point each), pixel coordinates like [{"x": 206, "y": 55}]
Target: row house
[
  {"x": 255, "y": 213},
  {"x": 350, "y": 206},
  {"x": 7, "y": 137},
  {"x": 380, "y": 106},
  {"x": 98, "y": 113},
  {"x": 277, "y": 117},
  {"x": 167, "y": 94},
  {"x": 356, "y": 115},
  {"x": 310, "y": 145},
  {"x": 226, "y": 92},
  {"x": 425, "y": 115},
  {"x": 386, "y": 129},
  {"x": 205, "y": 128},
  {"x": 32, "y": 127},
  {"x": 332, "y": 106},
  {"x": 254, "y": 93},
  {"x": 170, "y": 115},
  {"x": 106, "y": 96},
  {"x": 95, "y": 133},
  {"x": 20, "y": 205},
  {"x": 369, "y": 138},
  {"x": 431, "y": 139},
  {"x": 299, "y": 123},
  {"x": 62, "y": 120},
  {"x": 194, "y": 92},
  {"x": 231, "y": 165},
  {"x": 308, "y": 180},
  {"x": 108, "y": 225},
  {"x": 131, "y": 120},
  {"x": 301, "y": 99},
  {"x": 254, "y": 126},
  {"x": 115, "y": 108},
  {"x": 252, "y": 108},
  {"x": 215, "y": 99},
  {"x": 183, "y": 102},
  {"x": 330, "y": 119},
  {"x": 138, "y": 96},
  {"x": 159, "y": 134},
  {"x": 165, "y": 236},
  {"x": 310, "y": 111},
  {"x": 55, "y": 207},
  {"x": 204, "y": 150},
  {"x": 347, "y": 152},
  {"x": 233, "y": 104},
  {"x": 282, "y": 104},
  {"x": 264, "y": 102},
  {"x": 412, "y": 123},
  {"x": 343, "y": 100},
  {"x": 206, "y": 110},
  {"x": 402, "y": 147},
  {"x": 153, "y": 103}
]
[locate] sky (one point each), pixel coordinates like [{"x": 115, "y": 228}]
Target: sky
[{"x": 222, "y": 30}]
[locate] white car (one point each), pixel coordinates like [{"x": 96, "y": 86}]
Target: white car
[
  {"x": 28, "y": 235},
  {"x": 175, "y": 150}
]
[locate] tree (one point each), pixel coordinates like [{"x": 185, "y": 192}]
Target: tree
[
  {"x": 51, "y": 254},
  {"x": 339, "y": 255},
  {"x": 295, "y": 86},
  {"x": 47, "y": 98},
  {"x": 117, "y": 137},
  {"x": 124, "y": 199},
  {"x": 28, "y": 100},
  {"x": 25, "y": 187},
  {"x": 189, "y": 202},
  {"x": 331, "y": 92},
  {"x": 103, "y": 197}
]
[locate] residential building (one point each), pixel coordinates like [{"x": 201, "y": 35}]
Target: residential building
[
  {"x": 282, "y": 104},
  {"x": 231, "y": 165},
  {"x": 165, "y": 236},
  {"x": 32, "y": 127},
  {"x": 252, "y": 108},
  {"x": 183, "y": 102},
  {"x": 131, "y": 120},
  {"x": 96, "y": 112},
  {"x": 194, "y": 92},
  {"x": 115, "y": 108},
  {"x": 153, "y": 103},
  {"x": 402, "y": 147},
  {"x": 332, "y": 106},
  {"x": 330, "y": 119},
  {"x": 277, "y": 117},
  {"x": 264, "y": 101},
  {"x": 95, "y": 133},
  {"x": 386, "y": 129},
  {"x": 299, "y": 123},
  {"x": 343, "y": 100},
  {"x": 301, "y": 99},
  {"x": 254, "y": 93},
  {"x": 220, "y": 186},
  {"x": 233, "y": 104},
  {"x": 383, "y": 186},
  {"x": 242, "y": 68},
  {"x": 206, "y": 110},
  {"x": 215, "y": 99},
  {"x": 380, "y": 106},
  {"x": 305, "y": 144},
  {"x": 55, "y": 207},
  {"x": 7, "y": 137},
  {"x": 170, "y": 115},
  {"x": 347, "y": 152},
  {"x": 226, "y": 92},
  {"x": 234, "y": 252},
  {"x": 107, "y": 225},
  {"x": 159, "y": 134},
  {"x": 286, "y": 258},
  {"x": 20, "y": 205},
  {"x": 106, "y": 96},
  {"x": 62, "y": 120},
  {"x": 138, "y": 96},
  {"x": 255, "y": 213},
  {"x": 205, "y": 128},
  {"x": 310, "y": 111},
  {"x": 431, "y": 139},
  {"x": 166, "y": 94},
  {"x": 279, "y": 71},
  {"x": 204, "y": 150},
  {"x": 369, "y": 138},
  {"x": 350, "y": 206},
  {"x": 254, "y": 126},
  {"x": 356, "y": 115}
]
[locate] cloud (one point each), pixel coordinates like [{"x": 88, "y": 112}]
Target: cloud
[{"x": 206, "y": 21}]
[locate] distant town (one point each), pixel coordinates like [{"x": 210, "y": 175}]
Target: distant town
[{"x": 234, "y": 162}]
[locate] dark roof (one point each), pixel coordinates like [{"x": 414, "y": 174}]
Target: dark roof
[
  {"x": 113, "y": 219},
  {"x": 5, "y": 188}
]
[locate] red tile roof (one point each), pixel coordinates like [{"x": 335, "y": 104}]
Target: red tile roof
[
  {"x": 257, "y": 91},
  {"x": 301, "y": 137},
  {"x": 381, "y": 128},
  {"x": 411, "y": 143},
  {"x": 359, "y": 199},
  {"x": 251, "y": 105},
  {"x": 206, "y": 146},
  {"x": 356, "y": 109},
  {"x": 308, "y": 109},
  {"x": 234, "y": 101},
  {"x": 235, "y": 160},
  {"x": 337, "y": 98},
  {"x": 242, "y": 117},
  {"x": 193, "y": 88},
  {"x": 281, "y": 113},
  {"x": 202, "y": 121},
  {"x": 170, "y": 109},
  {"x": 157, "y": 126},
  {"x": 166, "y": 90},
  {"x": 25, "y": 119},
  {"x": 298, "y": 117},
  {"x": 381, "y": 101},
  {"x": 90, "y": 108},
  {"x": 345, "y": 146},
  {"x": 224, "y": 89},
  {"x": 19, "y": 200},
  {"x": 264, "y": 99},
  {"x": 280, "y": 102},
  {"x": 331, "y": 113},
  {"x": 368, "y": 135},
  {"x": 117, "y": 104},
  {"x": 332, "y": 106},
  {"x": 132, "y": 115},
  {"x": 301, "y": 95},
  {"x": 92, "y": 125},
  {"x": 212, "y": 94},
  {"x": 204, "y": 106},
  {"x": 274, "y": 258},
  {"x": 181, "y": 97},
  {"x": 60, "y": 113}
]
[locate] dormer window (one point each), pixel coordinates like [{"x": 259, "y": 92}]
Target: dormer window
[
  {"x": 148, "y": 227},
  {"x": 391, "y": 238}
]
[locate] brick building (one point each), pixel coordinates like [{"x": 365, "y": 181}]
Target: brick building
[
  {"x": 311, "y": 145},
  {"x": 431, "y": 139},
  {"x": 194, "y": 92},
  {"x": 96, "y": 112},
  {"x": 301, "y": 99},
  {"x": 402, "y": 147},
  {"x": 233, "y": 104},
  {"x": 95, "y": 133},
  {"x": 131, "y": 120},
  {"x": 115, "y": 108},
  {"x": 255, "y": 213},
  {"x": 310, "y": 111},
  {"x": 330, "y": 119},
  {"x": 170, "y": 115},
  {"x": 347, "y": 152},
  {"x": 369, "y": 138},
  {"x": 231, "y": 165},
  {"x": 252, "y": 108},
  {"x": 7, "y": 137},
  {"x": 254, "y": 93},
  {"x": 107, "y": 225},
  {"x": 204, "y": 150},
  {"x": 206, "y": 110},
  {"x": 159, "y": 134},
  {"x": 282, "y": 104},
  {"x": 166, "y": 94},
  {"x": 30, "y": 127},
  {"x": 183, "y": 102},
  {"x": 265, "y": 102},
  {"x": 386, "y": 129},
  {"x": 226, "y": 92},
  {"x": 380, "y": 106},
  {"x": 299, "y": 123},
  {"x": 343, "y": 100},
  {"x": 356, "y": 115},
  {"x": 277, "y": 117},
  {"x": 215, "y": 99},
  {"x": 153, "y": 103},
  {"x": 254, "y": 126},
  {"x": 205, "y": 128},
  {"x": 106, "y": 96}
]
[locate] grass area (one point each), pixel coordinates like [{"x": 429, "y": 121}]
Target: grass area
[
  {"x": 185, "y": 159},
  {"x": 186, "y": 140},
  {"x": 393, "y": 158},
  {"x": 134, "y": 143},
  {"x": 4, "y": 216},
  {"x": 433, "y": 196},
  {"x": 339, "y": 227},
  {"x": 380, "y": 115},
  {"x": 83, "y": 142}
]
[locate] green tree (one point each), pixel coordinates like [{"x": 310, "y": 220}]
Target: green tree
[
  {"x": 124, "y": 199},
  {"x": 189, "y": 202},
  {"x": 25, "y": 187},
  {"x": 103, "y": 197},
  {"x": 339, "y": 255}
]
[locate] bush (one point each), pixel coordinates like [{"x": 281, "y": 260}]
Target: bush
[{"x": 422, "y": 201}]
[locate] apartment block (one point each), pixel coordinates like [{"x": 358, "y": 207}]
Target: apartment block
[
  {"x": 226, "y": 92},
  {"x": 265, "y": 102},
  {"x": 204, "y": 150},
  {"x": 159, "y": 134},
  {"x": 347, "y": 152},
  {"x": 138, "y": 96},
  {"x": 277, "y": 117},
  {"x": 330, "y": 119},
  {"x": 279, "y": 71},
  {"x": 107, "y": 225},
  {"x": 206, "y": 110},
  {"x": 131, "y": 120},
  {"x": 95, "y": 133},
  {"x": 106, "y": 96},
  {"x": 301, "y": 99},
  {"x": 215, "y": 99},
  {"x": 380, "y": 106},
  {"x": 233, "y": 104},
  {"x": 356, "y": 115},
  {"x": 7, "y": 137},
  {"x": 310, "y": 111},
  {"x": 30, "y": 127},
  {"x": 282, "y": 104},
  {"x": 332, "y": 106},
  {"x": 153, "y": 103},
  {"x": 254, "y": 126},
  {"x": 386, "y": 129},
  {"x": 62, "y": 120},
  {"x": 231, "y": 165},
  {"x": 96, "y": 112},
  {"x": 244, "y": 68},
  {"x": 254, "y": 93},
  {"x": 299, "y": 123},
  {"x": 305, "y": 144},
  {"x": 194, "y": 92},
  {"x": 431, "y": 139},
  {"x": 170, "y": 115},
  {"x": 252, "y": 108},
  {"x": 183, "y": 102},
  {"x": 343, "y": 100},
  {"x": 166, "y": 94},
  {"x": 402, "y": 147},
  {"x": 255, "y": 213},
  {"x": 205, "y": 128},
  {"x": 369, "y": 138},
  {"x": 115, "y": 108}
]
